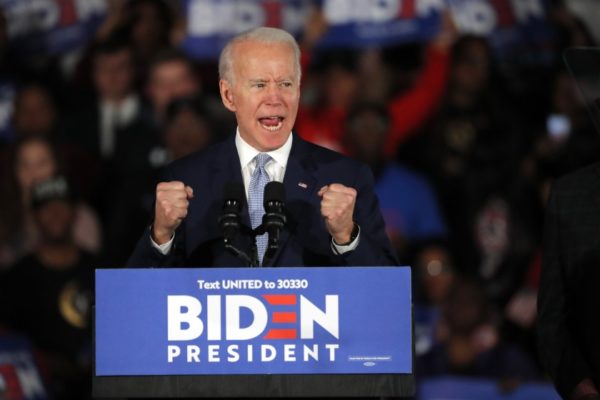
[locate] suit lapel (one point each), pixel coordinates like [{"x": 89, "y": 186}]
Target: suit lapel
[
  {"x": 300, "y": 188},
  {"x": 227, "y": 169}
]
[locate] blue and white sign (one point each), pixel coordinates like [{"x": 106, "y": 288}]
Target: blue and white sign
[
  {"x": 510, "y": 25},
  {"x": 211, "y": 23},
  {"x": 253, "y": 321},
  {"x": 20, "y": 376},
  {"x": 51, "y": 27}
]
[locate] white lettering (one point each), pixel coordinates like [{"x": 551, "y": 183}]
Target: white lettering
[
  {"x": 193, "y": 353},
  {"x": 309, "y": 314},
  {"x": 213, "y": 353},
  {"x": 31, "y": 383},
  {"x": 312, "y": 353},
  {"x": 524, "y": 9},
  {"x": 233, "y": 306},
  {"x": 332, "y": 348},
  {"x": 476, "y": 17},
  {"x": 234, "y": 356},
  {"x": 177, "y": 317},
  {"x": 172, "y": 352},
  {"x": 267, "y": 353},
  {"x": 213, "y": 317},
  {"x": 425, "y": 7},
  {"x": 289, "y": 353}
]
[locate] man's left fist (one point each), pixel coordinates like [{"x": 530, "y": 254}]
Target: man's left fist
[{"x": 337, "y": 208}]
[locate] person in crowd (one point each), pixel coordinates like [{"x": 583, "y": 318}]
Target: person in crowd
[
  {"x": 411, "y": 220},
  {"x": 146, "y": 24},
  {"x": 35, "y": 159},
  {"x": 567, "y": 140},
  {"x": 171, "y": 75},
  {"x": 188, "y": 127},
  {"x": 128, "y": 182},
  {"x": 49, "y": 292},
  {"x": 433, "y": 277},
  {"x": 470, "y": 343},
  {"x": 98, "y": 127},
  {"x": 472, "y": 152},
  {"x": 323, "y": 121},
  {"x": 35, "y": 112},
  {"x": 8, "y": 86}
]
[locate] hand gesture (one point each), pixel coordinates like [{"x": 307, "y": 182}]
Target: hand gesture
[
  {"x": 172, "y": 201},
  {"x": 337, "y": 208}
]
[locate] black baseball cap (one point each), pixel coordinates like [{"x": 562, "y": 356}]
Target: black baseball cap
[{"x": 55, "y": 188}]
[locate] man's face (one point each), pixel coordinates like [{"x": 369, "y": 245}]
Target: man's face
[
  {"x": 168, "y": 81},
  {"x": 55, "y": 221},
  {"x": 113, "y": 75},
  {"x": 366, "y": 136},
  {"x": 264, "y": 94}
]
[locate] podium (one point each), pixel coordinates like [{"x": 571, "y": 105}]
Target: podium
[{"x": 254, "y": 332}]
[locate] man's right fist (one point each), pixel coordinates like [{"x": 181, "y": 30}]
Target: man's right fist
[{"x": 170, "y": 209}]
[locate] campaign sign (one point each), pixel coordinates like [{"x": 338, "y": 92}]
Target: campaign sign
[
  {"x": 20, "y": 376},
  {"x": 51, "y": 26},
  {"x": 345, "y": 320},
  {"x": 211, "y": 23}
]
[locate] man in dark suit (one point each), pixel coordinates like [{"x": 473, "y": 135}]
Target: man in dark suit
[
  {"x": 332, "y": 211},
  {"x": 569, "y": 300}
]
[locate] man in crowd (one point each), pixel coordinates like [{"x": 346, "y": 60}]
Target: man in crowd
[
  {"x": 50, "y": 293},
  {"x": 332, "y": 213}
]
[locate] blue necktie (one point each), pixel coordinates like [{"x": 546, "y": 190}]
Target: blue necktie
[{"x": 256, "y": 192}]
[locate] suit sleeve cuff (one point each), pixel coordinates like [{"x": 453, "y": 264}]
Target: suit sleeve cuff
[
  {"x": 341, "y": 249},
  {"x": 164, "y": 248}
]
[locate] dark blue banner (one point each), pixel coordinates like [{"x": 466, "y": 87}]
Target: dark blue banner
[
  {"x": 510, "y": 25},
  {"x": 51, "y": 26},
  {"x": 211, "y": 23},
  {"x": 253, "y": 321}
]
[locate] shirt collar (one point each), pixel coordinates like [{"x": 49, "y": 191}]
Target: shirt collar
[{"x": 247, "y": 153}]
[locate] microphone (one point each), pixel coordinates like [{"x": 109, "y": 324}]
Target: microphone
[
  {"x": 274, "y": 219},
  {"x": 233, "y": 201},
  {"x": 229, "y": 221}
]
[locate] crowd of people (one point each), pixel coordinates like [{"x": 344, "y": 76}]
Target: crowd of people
[{"x": 461, "y": 151}]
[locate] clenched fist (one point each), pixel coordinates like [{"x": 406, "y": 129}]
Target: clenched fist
[
  {"x": 337, "y": 208},
  {"x": 172, "y": 201}
]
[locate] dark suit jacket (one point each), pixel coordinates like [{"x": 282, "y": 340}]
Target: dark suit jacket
[
  {"x": 304, "y": 242},
  {"x": 569, "y": 297}
]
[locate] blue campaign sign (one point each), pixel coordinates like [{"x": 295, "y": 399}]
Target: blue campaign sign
[
  {"x": 355, "y": 23},
  {"x": 51, "y": 27},
  {"x": 20, "y": 376},
  {"x": 211, "y": 23},
  {"x": 253, "y": 321},
  {"x": 514, "y": 28}
]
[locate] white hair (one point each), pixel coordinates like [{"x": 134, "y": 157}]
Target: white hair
[{"x": 261, "y": 35}]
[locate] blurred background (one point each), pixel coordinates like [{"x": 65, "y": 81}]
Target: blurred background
[{"x": 463, "y": 109}]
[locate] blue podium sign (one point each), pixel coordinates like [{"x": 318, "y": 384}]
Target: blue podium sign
[{"x": 246, "y": 321}]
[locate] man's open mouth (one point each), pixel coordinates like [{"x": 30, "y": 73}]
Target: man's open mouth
[{"x": 272, "y": 123}]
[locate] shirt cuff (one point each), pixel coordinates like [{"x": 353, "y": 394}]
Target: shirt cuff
[
  {"x": 164, "y": 248},
  {"x": 339, "y": 249}
]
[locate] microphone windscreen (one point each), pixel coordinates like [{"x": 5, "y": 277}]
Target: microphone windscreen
[
  {"x": 274, "y": 191},
  {"x": 234, "y": 191}
]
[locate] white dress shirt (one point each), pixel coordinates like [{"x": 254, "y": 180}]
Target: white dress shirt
[
  {"x": 112, "y": 117},
  {"x": 275, "y": 168}
]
